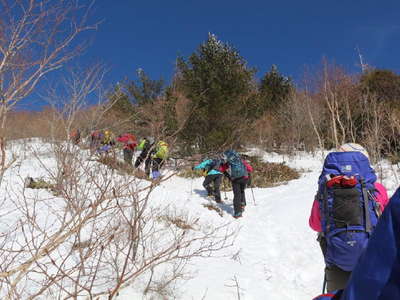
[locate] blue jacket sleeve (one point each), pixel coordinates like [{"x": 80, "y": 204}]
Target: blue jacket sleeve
[{"x": 203, "y": 164}]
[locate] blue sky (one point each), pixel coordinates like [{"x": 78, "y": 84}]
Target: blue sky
[{"x": 291, "y": 34}]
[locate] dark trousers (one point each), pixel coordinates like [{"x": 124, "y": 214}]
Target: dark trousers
[
  {"x": 215, "y": 180},
  {"x": 239, "y": 197},
  {"x": 152, "y": 164},
  {"x": 336, "y": 278},
  {"x": 142, "y": 156},
  {"x": 128, "y": 155}
]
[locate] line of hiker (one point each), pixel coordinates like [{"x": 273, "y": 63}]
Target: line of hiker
[
  {"x": 345, "y": 213},
  {"x": 153, "y": 154},
  {"x": 232, "y": 166}
]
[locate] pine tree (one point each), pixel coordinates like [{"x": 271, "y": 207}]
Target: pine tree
[
  {"x": 274, "y": 90},
  {"x": 218, "y": 82},
  {"x": 145, "y": 90}
]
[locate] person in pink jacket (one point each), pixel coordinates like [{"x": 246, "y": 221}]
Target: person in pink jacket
[
  {"x": 336, "y": 278},
  {"x": 315, "y": 216}
]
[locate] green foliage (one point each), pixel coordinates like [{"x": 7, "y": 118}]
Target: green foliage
[
  {"x": 121, "y": 103},
  {"x": 385, "y": 84},
  {"x": 218, "y": 82},
  {"x": 274, "y": 90},
  {"x": 145, "y": 90}
]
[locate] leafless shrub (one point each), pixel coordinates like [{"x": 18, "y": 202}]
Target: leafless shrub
[{"x": 36, "y": 38}]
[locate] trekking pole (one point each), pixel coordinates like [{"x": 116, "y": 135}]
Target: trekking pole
[
  {"x": 324, "y": 285},
  {"x": 252, "y": 193}
]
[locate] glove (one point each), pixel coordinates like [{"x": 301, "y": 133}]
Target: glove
[
  {"x": 193, "y": 168},
  {"x": 226, "y": 174}
]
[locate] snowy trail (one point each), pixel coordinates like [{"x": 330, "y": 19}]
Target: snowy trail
[{"x": 275, "y": 255}]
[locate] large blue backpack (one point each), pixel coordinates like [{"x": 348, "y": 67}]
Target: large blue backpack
[
  {"x": 348, "y": 214},
  {"x": 238, "y": 169}
]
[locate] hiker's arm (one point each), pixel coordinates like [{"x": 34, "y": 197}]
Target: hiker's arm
[
  {"x": 202, "y": 165},
  {"x": 315, "y": 217},
  {"x": 382, "y": 196}
]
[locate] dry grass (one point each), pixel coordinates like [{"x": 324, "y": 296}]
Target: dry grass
[
  {"x": 267, "y": 174},
  {"x": 189, "y": 173},
  {"x": 177, "y": 221},
  {"x": 214, "y": 208}
]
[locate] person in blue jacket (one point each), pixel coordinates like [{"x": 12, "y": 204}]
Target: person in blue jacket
[
  {"x": 377, "y": 273},
  {"x": 213, "y": 176}
]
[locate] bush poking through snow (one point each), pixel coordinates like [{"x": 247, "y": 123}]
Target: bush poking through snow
[
  {"x": 267, "y": 174},
  {"x": 215, "y": 208},
  {"x": 178, "y": 221},
  {"x": 189, "y": 173}
]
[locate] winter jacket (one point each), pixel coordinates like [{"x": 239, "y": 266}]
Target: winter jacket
[
  {"x": 315, "y": 217},
  {"x": 161, "y": 150},
  {"x": 128, "y": 140},
  {"x": 144, "y": 143},
  {"x": 207, "y": 164},
  {"x": 377, "y": 273},
  {"x": 249, "y": 168}
]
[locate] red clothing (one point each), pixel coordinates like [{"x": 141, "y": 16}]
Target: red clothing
[
  {"x": 225, "y": 167},
  {"x": 315, "y": 217},
  {"x": 128, "y": 140}
]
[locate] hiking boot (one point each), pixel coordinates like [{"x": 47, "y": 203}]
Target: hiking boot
[{"x": 237, "y": 215}]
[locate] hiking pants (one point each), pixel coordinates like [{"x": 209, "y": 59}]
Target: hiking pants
[
  {"x": 214, "y": 179},
  {"x": 239, "y": 198},
  {"x": 128, "y": 155},
  {"x": 152, "y": 163},
  {"x": 142, "y": 156},
  {"x": 156, "y": 164},
  {"x": 336, "y": 278}
]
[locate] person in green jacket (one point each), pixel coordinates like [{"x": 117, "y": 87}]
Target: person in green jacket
[
  {"x": 144, "y": 145},
  {"x": 158, "y": 156}
]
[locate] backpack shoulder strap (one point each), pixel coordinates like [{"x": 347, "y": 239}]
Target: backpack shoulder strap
[
  {"x": 323, "y": 195},
  {"x": 368, "y": 226}
]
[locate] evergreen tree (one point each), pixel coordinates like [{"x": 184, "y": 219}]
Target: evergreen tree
[
  {"x": 384, "y": 84},
  {"x": 218, "y": 82},
  {"x": 145, "y": 90},
  {"x": 274, "y": 90}
]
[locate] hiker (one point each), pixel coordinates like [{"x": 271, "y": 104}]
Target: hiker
[
  {"x": 345, "y": 211},
  {"x": 107, "y": 142},
  {"x": 144, "y": 145},
  {"x": 75, "y": 136},
  {"x": 239, "y": 176},
  {"x": 157, "y": 158},
  {"x": 213, "y": 176},
  {"x": 129, "y": 141},
  {"x": 96, "y": 138},
  {"x": 376, "y": 275}
]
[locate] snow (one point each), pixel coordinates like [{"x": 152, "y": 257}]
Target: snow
[{"x": 274, "y": 255}]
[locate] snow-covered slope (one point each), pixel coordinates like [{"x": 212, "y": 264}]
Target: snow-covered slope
[{"x": 275, "y": 254}]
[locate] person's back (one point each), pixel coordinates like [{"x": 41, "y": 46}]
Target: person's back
[
  {"x": 345, "y": 212},
  {"x": 377, "y": 273}
]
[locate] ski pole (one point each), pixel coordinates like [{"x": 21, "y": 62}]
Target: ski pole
[
  {"x": 324, "y": 285},
  {"x": 252, "y": 193}
]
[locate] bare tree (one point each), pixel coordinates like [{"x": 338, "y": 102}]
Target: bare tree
[{"x": 36, "y": 37}]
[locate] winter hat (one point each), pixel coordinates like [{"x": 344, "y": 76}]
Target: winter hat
[{"x": 348, "y": 147}]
